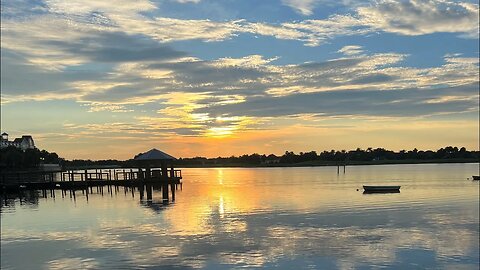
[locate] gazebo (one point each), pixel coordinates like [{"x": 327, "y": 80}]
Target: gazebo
[{"x": 157, "y": 159}]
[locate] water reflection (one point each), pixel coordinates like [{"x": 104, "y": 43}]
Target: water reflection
[
  {"x": 305, "y": 218},
  {"x": 157, "y": 204},
  {"x": 32, "y": 197}
]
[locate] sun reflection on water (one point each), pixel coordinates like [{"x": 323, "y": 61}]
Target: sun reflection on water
[{"x": 271, "y": 218}]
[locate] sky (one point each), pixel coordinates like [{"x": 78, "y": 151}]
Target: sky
[{"x": 109, "y": 79}]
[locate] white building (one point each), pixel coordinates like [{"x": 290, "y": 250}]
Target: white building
[{"x": 24, "y": 143}]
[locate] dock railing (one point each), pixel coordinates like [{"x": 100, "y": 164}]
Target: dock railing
[
  {"x": 124, "y": 174},
  {"x": 85, "y": 176},
  {"x": 20, "y": 177},
  {"x": 26, "y": 177}
]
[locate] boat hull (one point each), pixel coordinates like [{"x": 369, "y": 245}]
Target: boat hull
[
  {"x": 476, "y": 177},
  {"x": 381, "y": 189}
]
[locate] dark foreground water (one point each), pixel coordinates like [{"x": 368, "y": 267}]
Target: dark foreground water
[{"x": 283, "y": 218}]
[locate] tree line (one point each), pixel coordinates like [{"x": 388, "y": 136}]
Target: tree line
[
  {"x": 343, "y": 156},
  {"x": 14, "y": 158}
]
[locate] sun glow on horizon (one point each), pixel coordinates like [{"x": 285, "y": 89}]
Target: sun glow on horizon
[
  {"x": 110, "y": 80},
  {"x": 220, "y": 132}
]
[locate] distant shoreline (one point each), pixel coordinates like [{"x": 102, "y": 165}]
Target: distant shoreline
[
  {"x": 314, "y": 163},
  {"x": 332, "y": 163}
]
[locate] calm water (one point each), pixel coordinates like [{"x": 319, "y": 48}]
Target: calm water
[{"x": 284, "y": 218}]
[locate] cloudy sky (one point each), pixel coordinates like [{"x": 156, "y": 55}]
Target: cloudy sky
[{"x": 108, "y": 79}]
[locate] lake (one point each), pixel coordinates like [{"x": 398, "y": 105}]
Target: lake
[{"x": 282, "y": 218}]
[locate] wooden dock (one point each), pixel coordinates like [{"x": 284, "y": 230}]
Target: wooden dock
[{"x": 88, "y": 178}]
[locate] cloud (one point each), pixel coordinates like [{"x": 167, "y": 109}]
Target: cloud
[
  {"x": 351, "y": 50},
  {"x": 307, "y": 7},
  {"x": 198, "y": 93},
  {"x": 119, "y": 57},
  {"x": 315, "y": 32},
  {"x": 304, "y": 7},
  {"x": 88, "y": 6},
  {"x": 119, "y": 47},
  {"x": 71, "y": 33},
  {"x": 374, "y": 78},
  {"x": 79, "y": 66},
  {"x": 187, "y": 1},
  {"x": 411, "y": 17},
  {"x": 170, "y": 29},
  {"x": 227, "y": 81},
  {"x": 58, "y": 43},
  {"x": 214, "y": 74},
  {"x": 419, "y": 17},
  {"x": 20, "y": 77},
  {"x": 124, "y": 94},
  {"x": 379, "y": 103}
]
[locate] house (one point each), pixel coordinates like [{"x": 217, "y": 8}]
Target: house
[{"x": 24, "y": 143}]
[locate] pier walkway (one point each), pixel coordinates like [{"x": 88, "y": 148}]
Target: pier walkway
[{"x": 74, "y": 179}]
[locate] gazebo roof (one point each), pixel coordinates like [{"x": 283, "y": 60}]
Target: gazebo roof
[{"x": 155, "y": 154}]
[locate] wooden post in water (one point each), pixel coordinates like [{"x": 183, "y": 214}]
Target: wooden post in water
[
  {"x": 165, "y": 181},
  {"x": 141, "y": 190},
  {"x": 164, "y": 170},
  {"x": 172, "y": 187},
  {"x": 165, "y": 192},
  {"x": 149, "y": 192},
  {"x": 148, "y": 174}
]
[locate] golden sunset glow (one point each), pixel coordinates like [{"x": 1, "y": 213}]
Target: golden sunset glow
[
  {"x": 300, "y": 80},
  {"x": 212, "y": 134}
]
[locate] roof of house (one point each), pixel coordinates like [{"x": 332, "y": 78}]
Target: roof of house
[
  {"x": 17, "y": 140},
  {"x": 155, "y": 154},
  {"x": 4, "y": 133}
]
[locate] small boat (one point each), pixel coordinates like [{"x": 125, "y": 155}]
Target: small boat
[
  {"x": 476, "y": 177},
  {"x": 381, "y": 189}
]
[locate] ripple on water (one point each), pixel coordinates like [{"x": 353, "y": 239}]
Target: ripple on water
[{"x": 308, "y": 218}]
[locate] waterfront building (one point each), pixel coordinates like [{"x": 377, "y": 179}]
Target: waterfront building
[{"x": 23, "y": 143}]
